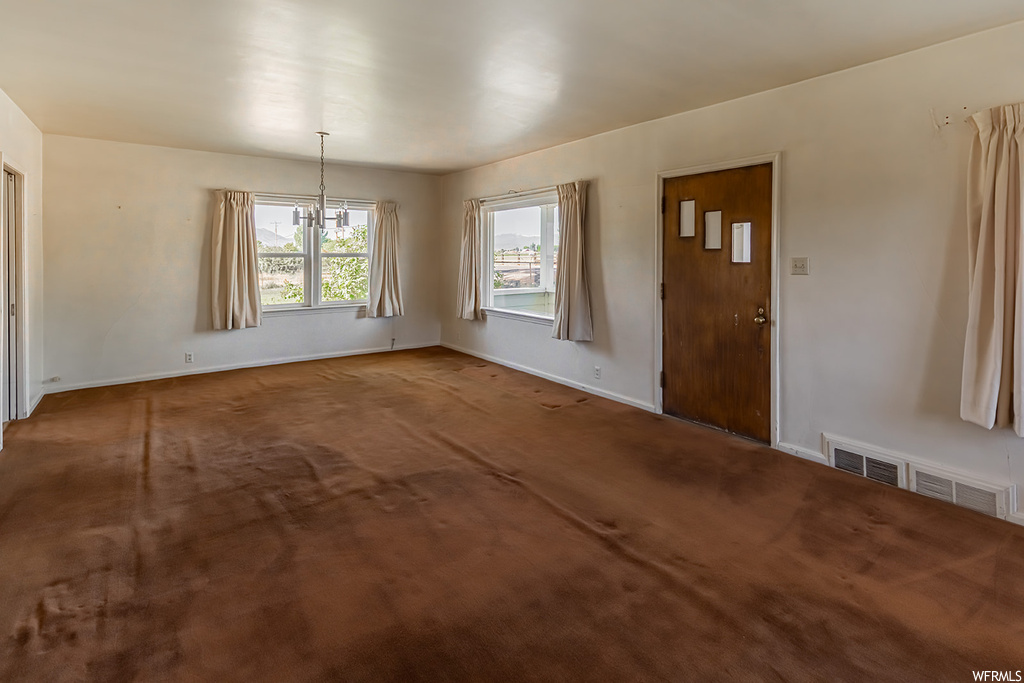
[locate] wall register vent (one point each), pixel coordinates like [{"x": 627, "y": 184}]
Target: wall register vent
[
  {"x": 866, "y": 462},
  {"x": 935, "y": 482},
  {"x": 984, "y": 497}
]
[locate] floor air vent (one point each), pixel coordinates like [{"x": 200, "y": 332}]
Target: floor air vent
[{"x": 984, "y": 497}]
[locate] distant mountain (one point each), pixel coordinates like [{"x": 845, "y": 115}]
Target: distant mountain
[
  {"x": 268, "y": 238},
  {"x": 506, "y": 241}
]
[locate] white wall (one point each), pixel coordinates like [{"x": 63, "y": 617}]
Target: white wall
[
  {"x": 21, "y": 146},
  {"x": 127, "y": 253},
  {"x": 872, "y": 340}
]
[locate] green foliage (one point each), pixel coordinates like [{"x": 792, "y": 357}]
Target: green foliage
[
  {"x": 291, "y": 293},
  {"x": 355, "y": 244},
  {"x": 344, "y": 278},
  {"x": 499, "y": 280}
]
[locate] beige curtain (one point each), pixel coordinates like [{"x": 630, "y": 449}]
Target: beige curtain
[
  {"x": 236, "y": 286},
  {"x": 470, "y": 266},
  {"x": 991, "y": 391},
  {"x": 385, "y": 286},
  {"x": 572, "y": 295}
]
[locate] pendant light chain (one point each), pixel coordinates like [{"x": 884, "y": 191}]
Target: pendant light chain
[
  {"x": 323, "y": 188},
  {"x": 317, "y": 216}
]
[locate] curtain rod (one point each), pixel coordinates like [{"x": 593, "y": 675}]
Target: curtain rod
[{"x": 513, "y": 194}]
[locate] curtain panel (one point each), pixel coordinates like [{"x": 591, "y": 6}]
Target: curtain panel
[
  {"x": 385, "y": 285},
  {"x": 235, "y": 272},
  {"x": 991, "y": 389},
  {"x": 470, "y": 266},
  {"x": 572, "y": 293}
]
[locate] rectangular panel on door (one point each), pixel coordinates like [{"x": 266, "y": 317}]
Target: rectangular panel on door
[{"x": 717, "y": 309}]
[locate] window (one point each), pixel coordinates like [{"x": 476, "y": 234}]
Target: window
[
  {"x": 523, "y": 244},
  {"x": 293, "y": 256}
]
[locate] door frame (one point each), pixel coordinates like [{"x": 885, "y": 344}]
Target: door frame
[
  {"x": 21, "y": 296},
  {"x": 775, "y": 159}
]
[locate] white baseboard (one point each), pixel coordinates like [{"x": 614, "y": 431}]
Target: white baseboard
[
  {"x": 34, "y": 403},
  {"x": 589, "y": 388},
  {"x": 1015, "y": 514},
  {"x": 801, "y": 452},
  {"x": 56, "y": 389}
]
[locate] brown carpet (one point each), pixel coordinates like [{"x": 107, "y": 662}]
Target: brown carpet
[{"x": 427, "y": 516}]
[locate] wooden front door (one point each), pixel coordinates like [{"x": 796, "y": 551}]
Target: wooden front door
[{"x": 716, "y": 348}]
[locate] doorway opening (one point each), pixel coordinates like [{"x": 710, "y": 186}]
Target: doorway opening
[
  {"x": 13, "y": 392},
  {"x": 717, "y": 341}
]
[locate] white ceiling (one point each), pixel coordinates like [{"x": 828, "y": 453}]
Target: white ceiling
[{"x": 433, "y": 86}]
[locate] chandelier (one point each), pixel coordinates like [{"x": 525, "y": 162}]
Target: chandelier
[{"x": 315, "y": 215}]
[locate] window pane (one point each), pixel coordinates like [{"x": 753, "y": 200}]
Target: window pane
[
  {"x": 517, "y": 248},
  {"x": 346, "y": 240},
  {"x": 541, "y": 303},
  {"x": 713, "y": 230},
  {"x": 281, "y": 280},
  {"x": 274, "y": 230},
  {"x": 741, "y": 242},
  {"x": 345, "y": 278}
]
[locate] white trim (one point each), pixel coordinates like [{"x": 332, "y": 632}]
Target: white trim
[
  {"x": 232, "y": 366},
  {"x": 21, "y": 259},
  {"x": 311, "y": 255},
  {"x": 590, "y": 389},
  {"x": 540, "y": 199},
  {"x": 34, "y": 403},
  {"x": 775, "y": 159},
  {"x": 515, "y": 291},
  {"x": 275, "y": 312},
  {"x": 486, "y": 283},
  {"x": 535, "y": 318},
  {"x": 513, "y": 197},
  {"x": 1014, "y": 514},
  {"x": 801, "y": 452}
]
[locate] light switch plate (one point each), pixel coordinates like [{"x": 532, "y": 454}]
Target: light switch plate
[{"x": 800, "y": 265}]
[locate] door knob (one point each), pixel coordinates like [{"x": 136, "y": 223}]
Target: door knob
[{"x": 760, "y": 319}]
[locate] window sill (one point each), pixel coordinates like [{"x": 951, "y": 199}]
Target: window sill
[
  {"x": 513, "y": 291},
  {"x": 358, "y": 307},
  {"x": 535, "y": 318}
]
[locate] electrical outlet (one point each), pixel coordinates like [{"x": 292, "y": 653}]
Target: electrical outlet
[
  {"x": 597, "y": 372},
  {"x": 188, "y": 357},
  {"x": 800, "y": 265},
  {"x": 54, "y": 379}
]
